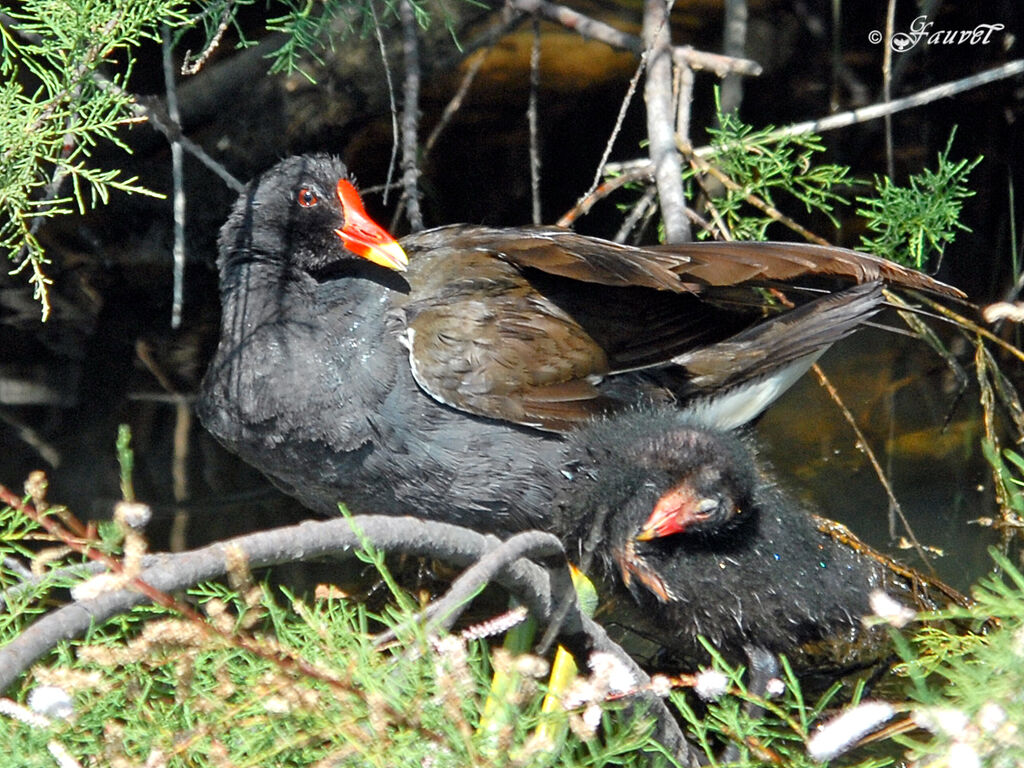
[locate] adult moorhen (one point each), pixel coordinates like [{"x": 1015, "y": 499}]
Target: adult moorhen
[
  {"x": 434, "y": 388},
  {"x": 688, "y": 535}
]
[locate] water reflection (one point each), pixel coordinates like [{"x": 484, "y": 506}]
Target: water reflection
[{"x": 901, "y": 395}]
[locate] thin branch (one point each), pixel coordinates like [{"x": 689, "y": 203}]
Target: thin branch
[
  {"x": 13, "y": 565},
  {"x": 637, "y": 213},
  {"x": 29, "y": 435},
  {"x": 719, "y": 230},
  {"x": 391, "y": 102},
  {"x": 855, "y": 116},
  {"x": 190, "y": 65},
  {"x": 410, "y": 114},
  {"x": 605, "y": 33},
  {"x": 77, "y": 572},
  {"x": 721, "y": 65},
  {"x": 442, "y": 614},
  {"x": 177, "y": 173},
  {"x": 531, "y": 117},
  {"x": 178, "y": 537},
  {"x": 668, "y": 165},
  {"x": 587, "y": 199},
  {"x": 734, "y": 41},
  {"x": 987, "y": 400},
  {"x": 962, "y": 322},
  {"x": 455, "y": 103},
  {"x": 833, "y": 42},
  {"x": 683, "y": 89},
  {"x": 151, "y": 110},
  {"x": 92, "y": 56},
  {"x": 337, "y": 537},
  {"x": 574, "y": 20},
  {"x": 890, "y": 22},
  {"x": 865, "y": 446}
]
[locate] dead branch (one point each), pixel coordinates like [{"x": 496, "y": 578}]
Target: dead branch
[{"x": 668, "y": 165}]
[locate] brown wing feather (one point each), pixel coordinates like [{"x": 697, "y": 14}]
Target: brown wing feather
[
  {"x": 781, "y": 340},
  {"x": 559, "y": 252},
  {"x": 721, "y": 263},
  {"x": 678, "y": 268},
  {"x": 521, "y": 324},
  {"x": 490, "y": 345}
]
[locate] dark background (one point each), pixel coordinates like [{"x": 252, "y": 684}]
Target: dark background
[{"x": 109, "y": 356}]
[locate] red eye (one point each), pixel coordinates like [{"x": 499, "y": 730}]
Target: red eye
[{"x": 307, "y": 197}]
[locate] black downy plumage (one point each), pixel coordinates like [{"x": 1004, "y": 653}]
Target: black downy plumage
[{"x": 688, "y": 535}]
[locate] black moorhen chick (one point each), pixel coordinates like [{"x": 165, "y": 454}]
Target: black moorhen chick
[
  {"x": 434, "y": 390},
  {"x": 688, "y": 535}
]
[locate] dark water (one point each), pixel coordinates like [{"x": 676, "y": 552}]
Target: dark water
[{"x": 925, "y": 437}]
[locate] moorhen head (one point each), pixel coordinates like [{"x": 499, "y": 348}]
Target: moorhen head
[
  {"x": 688, "y": 535},
  {"x": 306, "y": 216},
  {"x": 442, "y": 390}
]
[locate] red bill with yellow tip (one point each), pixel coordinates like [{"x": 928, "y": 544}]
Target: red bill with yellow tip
[{"x": 365, "y": 237}]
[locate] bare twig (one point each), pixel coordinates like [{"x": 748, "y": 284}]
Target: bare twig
[
  {"x": 391, "y": 101},
  {"x": 862, "y": 441},
  {"x": 151, "y": 110},
  {"x": 190, "y": 65},
  {"x": 531, "y": 116},
  {"x": 704, "y": 224},
  {"x": 338, "y": 537},
  {"x": 410, "y": 114},
  {"x": 177, "y": 539},
  {"x": 177, "y": 173},
  {"x": 683, "y": 87},
  {"x": 484, "y": 49},
  {"x": 890, "y": 21},
  {"x": 718, "y": 63},
  {"x": 987, "y": 400},
  {"x": 586, "y": 26},
  {"x": 855, "y": 116},
  {"x": 636, "y": 214},
  {"x": 455, "y": 103},
  {"x": 962, "y": 322},
  {"x": 734, "y": 41},
  {"x": 668, "y": 166},
  {"x": 569, "y": 217},
  {"x": 588, "y": 201},
  {"x": 442, "y": 614},
  {"x": 718, "y": 230},
  {"x": 72, "y": 573},
  {"x": 47, "y": 451},
  {"x": 14, "y": 566}
]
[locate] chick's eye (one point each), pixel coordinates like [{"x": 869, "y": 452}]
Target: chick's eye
[{"x": 307, "y": 197}]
